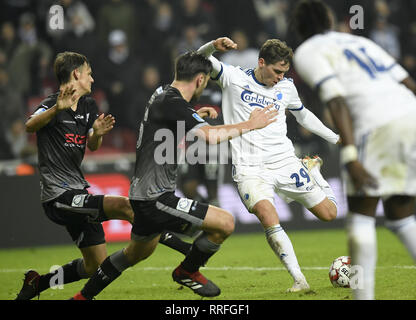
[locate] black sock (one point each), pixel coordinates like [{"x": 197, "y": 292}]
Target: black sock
[
  {"x": 172, "y": 241},
  {"x": 202, "y": 249},
  {"x": 195, "y": 259},
  {"x": 72, "y": 272},
  {"x": 109, "y": 270}
]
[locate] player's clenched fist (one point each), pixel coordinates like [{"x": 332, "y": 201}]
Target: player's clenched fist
[{"x": 224, "y": 44}]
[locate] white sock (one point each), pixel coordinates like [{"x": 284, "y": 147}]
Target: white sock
[
  {"x": 362, "y": 243},
  {"x": 282, "y": 247},
  {"x": 405, "y": 229},
  {"x": 323, "y": 184}
]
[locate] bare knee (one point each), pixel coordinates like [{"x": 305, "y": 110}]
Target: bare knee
[
  {"x": 225, "y": 227},
  {"x": 228, "y": 225},
  {"x": 118, "y": 207},
  {"x": 128, "y": 211},
  {"x": 325, "y": 211}
]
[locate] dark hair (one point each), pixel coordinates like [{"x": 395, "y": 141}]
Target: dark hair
[
  {"x": 311, "y": 17},
  {"x": 274, "y": 50},
  {"x": 189, "y": 64},
  {"x": 65, "y": 63}
]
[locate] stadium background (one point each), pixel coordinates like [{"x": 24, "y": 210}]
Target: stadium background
[{"x": 131, "y": 46}]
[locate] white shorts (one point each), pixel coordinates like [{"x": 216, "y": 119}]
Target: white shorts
[
  {"x": 289, "y": 179},
  {"x": 388, "y": 153}
]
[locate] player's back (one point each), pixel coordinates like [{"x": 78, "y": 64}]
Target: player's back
[{"x": 368, "y": 77}]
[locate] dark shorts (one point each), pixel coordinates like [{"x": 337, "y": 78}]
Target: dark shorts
[
  {"x": 168, "y": 212},
  {"x": 81, "y": 213}
]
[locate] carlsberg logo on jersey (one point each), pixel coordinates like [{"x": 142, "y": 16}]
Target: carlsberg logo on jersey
[{"x": 256, "y": 100}]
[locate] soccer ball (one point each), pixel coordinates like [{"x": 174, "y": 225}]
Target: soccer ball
[{"x": 339, "y": 272}]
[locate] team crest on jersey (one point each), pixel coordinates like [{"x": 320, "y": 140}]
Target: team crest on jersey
[
  {"x": 78, "y": 200},
  {"x": 184, "y": 204}
]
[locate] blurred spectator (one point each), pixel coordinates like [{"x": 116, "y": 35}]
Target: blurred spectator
[
  {"x": 386, "y": 36},
  {"x": 239, "y": 14},
  {"x": 78, "y": 27},
  {"x": 117, "y": 74},
  {"x": 199, "y": 15},
  {"x": 274, "y": 17},
  {"x": 149, "y": 82},
  {"x": 8, "y": 39},
  {"x": 13, "y": 137},
  {"x": 118, "y": 14},
  {"x": 244, "y": 56},
  {"x": 160, "y": 30},
  {"x": 190, "y": 40},
  {"x": 3, "y": 59},
  {"x": 30, "y": 60}
]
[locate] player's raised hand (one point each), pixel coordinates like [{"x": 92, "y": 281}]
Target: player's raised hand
[
  {"x": 261, "y": 118},
  {"x": 102, "y": 125},
  {"x": 360, "y": 176},
  {"x": 67, "y": 98},
  {"x": 224, "y": 44},
  {"x": 207, "y": 112}
]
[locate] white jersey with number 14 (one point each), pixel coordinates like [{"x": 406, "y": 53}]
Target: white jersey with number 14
[{"x": 341, "y": 64}]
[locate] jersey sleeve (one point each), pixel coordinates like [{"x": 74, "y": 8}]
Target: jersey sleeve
[
  {"x": 44, "y": 106},
  {"x": 223, "y": 72},
  {"x": 295, "y": 103},
  {"x": 318, "y": 73},
  {"x": 182, "y": 111}
]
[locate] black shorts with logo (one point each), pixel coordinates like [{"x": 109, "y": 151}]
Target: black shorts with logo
[
  {"x": 168, "y": 212},
  {"x": 81, "y": 213}
]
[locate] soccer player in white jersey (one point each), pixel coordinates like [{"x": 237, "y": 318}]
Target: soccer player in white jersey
[
  {"x": 368, "y": 95},
  {"x": 264, "y": 162}
]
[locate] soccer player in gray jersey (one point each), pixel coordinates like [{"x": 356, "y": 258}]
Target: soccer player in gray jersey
[
  {"x": 168, "y": 119},
  {"x": 65, "y": 123}
]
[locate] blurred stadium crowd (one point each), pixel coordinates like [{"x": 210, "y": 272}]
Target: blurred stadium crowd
[{"x": 131, "y": 46}]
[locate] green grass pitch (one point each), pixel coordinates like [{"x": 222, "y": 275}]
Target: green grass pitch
[{"x": 245, "y": 268}]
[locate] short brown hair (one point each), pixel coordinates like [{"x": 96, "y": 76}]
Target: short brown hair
[
  {"x": 65, "y": 63},
  {"x": 274, "y": 50}
]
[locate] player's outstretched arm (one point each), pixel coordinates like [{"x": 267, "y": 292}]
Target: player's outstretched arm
[
  {"x": 66, "y": 99},
  {"x": 311, "y": 122},
  {"x": 102, "y": 125},
  {"x": 259, "y": 118}
]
